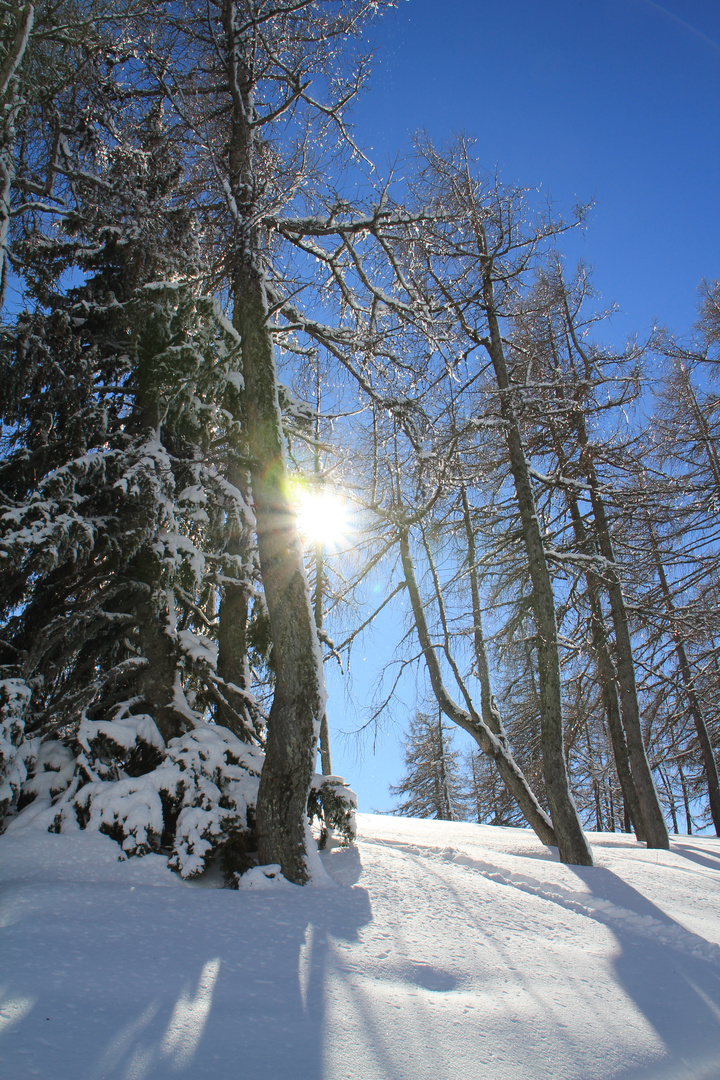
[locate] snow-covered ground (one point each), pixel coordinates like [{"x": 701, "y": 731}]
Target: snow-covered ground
[{"x": 445, "y": 952}]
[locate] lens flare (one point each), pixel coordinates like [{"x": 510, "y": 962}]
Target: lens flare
[{"x": 323, "y": 515}]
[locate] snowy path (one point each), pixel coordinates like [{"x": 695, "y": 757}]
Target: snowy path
[{"x": 449, "y": 952}]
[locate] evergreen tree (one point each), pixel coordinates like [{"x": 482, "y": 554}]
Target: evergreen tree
[
  {"x": 433, "y": 784},
  {"x": 120, "y": 397}
]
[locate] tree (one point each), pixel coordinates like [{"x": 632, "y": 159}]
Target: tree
[
  {"x": 489, "y": 734},
  {"x": 432, "y": 785},
  {"x": 115, "y": 520},
  {"x": 472, "y": 260},
  {"x": 549, "y": 343},
  {"x": 231, "y": 77}
]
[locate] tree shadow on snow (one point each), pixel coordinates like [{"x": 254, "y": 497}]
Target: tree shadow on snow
[
  {"x": 709, "y": 859},
  {"x": 671, "y": 974},
  {"x": 194, "y": 983}
]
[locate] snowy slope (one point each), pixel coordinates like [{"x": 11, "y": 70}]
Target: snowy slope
[{"x": 445, "y": 952}]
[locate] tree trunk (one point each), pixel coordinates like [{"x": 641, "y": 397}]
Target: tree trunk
[
  {"x": 710, "y": 765},
  {"x": 671, "y": 799},
  {"x": 490, "y": 744},
  {"x": 319, "y": 598},
  {"x": 299, "y": 697},
  {"x": 488, "y": 705},
  {"x": 158, "y": 684},
  {"x": 608, "y": 679},
  {"x": 325, "y": 760},
  {"x": 572, "y": 843},
  {"x": 686, "y": 799},
  {"x": 652, "y": 821}
]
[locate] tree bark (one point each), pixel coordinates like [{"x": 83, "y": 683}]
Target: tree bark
[{"x": 299, "y": 697}]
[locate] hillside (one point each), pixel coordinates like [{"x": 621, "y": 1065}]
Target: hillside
[{"x": 441, "y": 952}]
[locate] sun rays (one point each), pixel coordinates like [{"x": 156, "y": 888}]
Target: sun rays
[{"x": 323, "y": 515}]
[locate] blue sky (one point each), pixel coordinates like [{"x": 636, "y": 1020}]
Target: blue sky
[{"x": 611, "y": 101}]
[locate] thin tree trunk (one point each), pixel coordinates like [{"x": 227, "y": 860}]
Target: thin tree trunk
[
  {"x": 686, "y": 799},
  {"x": 653, "y": 823},
  {"x": 572, "y": 843},
  {"x": 319, "y": 598},
  {"x": 488, "y": 705},
  {"x": 325, "y": 759},
  {"x": 671, "y": 798},
  {"x": 490, "y": 712},
  {"x": 595, "y": 783},
  {"x": 606, "y": 669},
  {"x": 487, "y": 740},
  {"x": 709, "y": 763},
  {"x": 608, "y": 679}
]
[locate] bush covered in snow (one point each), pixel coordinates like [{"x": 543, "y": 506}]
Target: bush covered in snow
[
  {"x": 195, "y": 803},
  {"x": 15, "y": 697},
  {"x": 332, "y": 804}
]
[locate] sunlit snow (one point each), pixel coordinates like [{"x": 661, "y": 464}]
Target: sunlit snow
[{"x": 439, "y": 951}]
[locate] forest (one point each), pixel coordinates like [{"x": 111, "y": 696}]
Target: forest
[{"x": 216, "y": 313}]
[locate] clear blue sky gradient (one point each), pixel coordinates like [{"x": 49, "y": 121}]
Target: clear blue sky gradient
[{"x": 616, "y": 101}]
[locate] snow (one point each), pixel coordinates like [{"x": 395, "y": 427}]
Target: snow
[{"x": 439, "y": 951}]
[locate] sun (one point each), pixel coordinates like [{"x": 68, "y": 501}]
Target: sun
[{"x": 323, "y": 515}]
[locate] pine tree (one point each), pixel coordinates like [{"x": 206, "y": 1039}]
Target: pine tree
[
  {"x": 432, "y": 785},
  {"x": 120, "y": 398}
]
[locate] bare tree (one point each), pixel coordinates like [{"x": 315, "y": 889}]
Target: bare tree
[{"x": 473, "y": 266}]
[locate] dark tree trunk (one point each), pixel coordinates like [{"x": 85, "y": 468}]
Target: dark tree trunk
[{"x": 157, "y": 683}]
